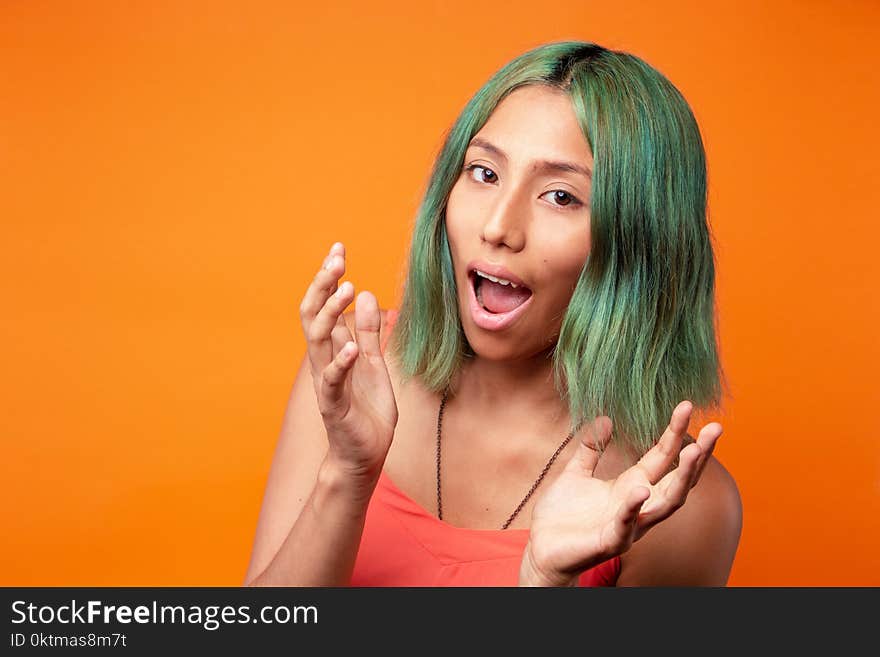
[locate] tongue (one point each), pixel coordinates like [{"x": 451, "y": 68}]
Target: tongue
[{"x": 502, "y": 298}]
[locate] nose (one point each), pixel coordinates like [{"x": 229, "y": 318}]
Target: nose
[{"x": 507, "y": 219}]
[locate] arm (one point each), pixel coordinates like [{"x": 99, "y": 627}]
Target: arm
[
  {"x": 312, "y": 516},
  {"x": 322, "y": 545}
]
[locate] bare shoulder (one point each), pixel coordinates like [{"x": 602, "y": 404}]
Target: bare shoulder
[{"x": 696, "y": 545}]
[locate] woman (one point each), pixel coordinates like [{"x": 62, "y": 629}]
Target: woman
[{"x": 528, "y": 422}]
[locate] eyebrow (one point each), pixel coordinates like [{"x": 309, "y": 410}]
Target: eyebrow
[{"x": 541, "y": 165}]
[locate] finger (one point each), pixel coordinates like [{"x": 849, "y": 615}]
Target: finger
[
  {"x": 656, "y": 461},
  {"x": 707, "y": 440},
  {"x": 591, "y": 445},
  {"x": 321, "y": 289},
  {"x": 367, "y": 322},
  {"x": 332, "y": 397},
  {"x": 673, "y": 489},
  {"x": 320, "y": 344},
  {"x": 340, "y": 335},
  {"x": 338, "y": 249},
  {"x": 323, "y": 284},
  {"x": 627, "y": 515}
]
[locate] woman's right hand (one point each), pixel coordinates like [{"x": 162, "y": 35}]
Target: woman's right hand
[{"x": 351, "y": 379}]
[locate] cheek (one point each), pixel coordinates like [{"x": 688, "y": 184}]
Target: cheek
[
  {"x": 572, "y": 240},
  {"x": 560, "y": 288},
  {"x": 465, "y": 206},
  {"x": 452, "y": 214},
  {"x": 566, "y": 248},
  {"x": 459, "y": 217},
  {"x": 562, "y": 266}
]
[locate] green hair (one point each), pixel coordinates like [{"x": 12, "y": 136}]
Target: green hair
[{"x": 638, "y": 336}]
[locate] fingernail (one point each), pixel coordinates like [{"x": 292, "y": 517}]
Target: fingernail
[
  {"x": 328, "y": 263},
  {"x": 343, "y": 290}
]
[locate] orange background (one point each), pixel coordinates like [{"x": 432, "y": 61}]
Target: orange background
[{"x": 172, "y": 174}]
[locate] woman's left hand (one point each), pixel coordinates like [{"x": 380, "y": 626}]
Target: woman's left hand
[{"x": 580, "y": 521}]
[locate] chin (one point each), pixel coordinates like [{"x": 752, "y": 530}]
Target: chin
[
  {"x": 496, "y": 352},
  {"x": 501, "y": 346}
]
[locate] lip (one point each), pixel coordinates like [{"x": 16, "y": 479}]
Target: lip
[
  {"x": 492, "y": 321},
  {"x": 495, "y": 270}
]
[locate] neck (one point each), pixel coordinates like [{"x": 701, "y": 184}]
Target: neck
[{"x": 510, "y": 388}]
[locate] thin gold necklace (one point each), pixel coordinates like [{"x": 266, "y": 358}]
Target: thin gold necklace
[{"x": 531, "y": 490}]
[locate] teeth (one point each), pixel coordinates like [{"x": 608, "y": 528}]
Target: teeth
[{"x": 500, "y": 281}]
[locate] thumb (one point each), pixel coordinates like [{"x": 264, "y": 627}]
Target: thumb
[
  {"x": 591, "y": 445},
  {"x": 367, "y": 322}
]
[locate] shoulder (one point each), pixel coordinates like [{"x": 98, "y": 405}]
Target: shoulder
[{"x": 696, "y": 545}]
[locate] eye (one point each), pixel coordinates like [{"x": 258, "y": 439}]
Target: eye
[
  {"x": 483, "y": 174},
  {"x": 563, "y": 199}
]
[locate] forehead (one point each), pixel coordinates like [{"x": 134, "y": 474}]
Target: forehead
[{"x": 537, "y": 122}]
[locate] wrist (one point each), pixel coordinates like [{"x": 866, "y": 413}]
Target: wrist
[
  {"x": 339, "y": 483},
  {"x": 532, "y": 574}
]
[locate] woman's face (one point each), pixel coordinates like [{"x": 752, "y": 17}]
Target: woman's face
[{"x": 522, "y": 203}]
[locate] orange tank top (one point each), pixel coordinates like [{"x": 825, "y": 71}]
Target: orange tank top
[{"x": 404, "y": 545}]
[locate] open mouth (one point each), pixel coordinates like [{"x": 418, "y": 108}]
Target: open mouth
[{"x": 495, "y": 297}]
